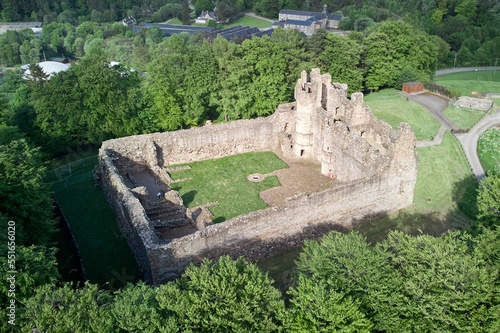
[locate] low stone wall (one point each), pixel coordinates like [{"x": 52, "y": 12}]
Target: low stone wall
[{"x": 474, "y": 103}]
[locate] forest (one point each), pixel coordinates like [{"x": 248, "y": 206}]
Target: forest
[{"x": 403, "y": 283}]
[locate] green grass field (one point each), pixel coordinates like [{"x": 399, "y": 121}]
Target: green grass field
[
  {"x": 444, "y": 199},
  {"x": 462, "y": 117},
  {"x": 496, "y": 102},
  {"x": 175, "y": 21},
  {"x": 467, "y": 82},
  {"x": 225, "y": 180},
  {"x": 488, "y": 149},
  {"x": 250, "y": 21},
  {"x": 392, "y": 108},
  {"x": 105, "y": 253}
]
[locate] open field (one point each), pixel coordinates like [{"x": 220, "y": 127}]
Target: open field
[
  {"x": 467, "y": 82},
  {"x": 225, "y": 180},
  {"x": 462, "y": 117},
  {"x": 444, "y": 199},
  {"x": 105, "y": 253},
  {"x": 488, "y": 149},
  {"x": 392, "y": 108},
  {"x": 175, "y": 21},
  {"x": 246, "y": 20}
]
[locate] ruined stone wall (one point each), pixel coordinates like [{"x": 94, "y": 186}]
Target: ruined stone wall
[
  {"x": 198, "y": 144},
  {"x": 130, "y": 214},
  {"x": 267, "y": 232},
  {"x": 376, "y": 167}
]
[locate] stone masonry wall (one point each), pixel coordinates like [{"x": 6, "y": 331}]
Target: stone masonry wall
[{"x": 267, "y": 232}]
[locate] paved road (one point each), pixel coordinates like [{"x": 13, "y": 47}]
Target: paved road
[
  {"x": 436, "y": 105},
  {"x": 465, "y": 69},
  {"x": 469, "y": 141}
]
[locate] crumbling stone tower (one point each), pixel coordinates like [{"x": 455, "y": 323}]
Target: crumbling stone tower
[{"x": 344, "y": 136}]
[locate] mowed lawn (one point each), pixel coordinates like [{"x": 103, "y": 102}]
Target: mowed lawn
[
  {"x": 467, "y": 82},
  {"x": 444, "y": 198},
  {"x": 488, "y": 149},
  {"x": 250, "y": 21},
  {"x": 244, "y": 21},
  {"x": 462, "y": 117},
  {"x": 225, "y": 180},
  {"x": 392, "y": 108},
  {"x": 105, "y": 253}
]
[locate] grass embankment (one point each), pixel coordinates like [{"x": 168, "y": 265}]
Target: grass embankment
[
  {"x": 175, "y": 22},
  {"x": 462, "y": 117},
  {"x": 392, "y": 108},
  {"x": 488, "y": 149},
  {"x": 444, "y": 199},
  {"x": 244, "y": 21},
  {"x": 225, "y": 180},
  {"x": 250, "y": 21},
  {"x": 105, "y": 253},
  {"x": 467, "y": 82}
]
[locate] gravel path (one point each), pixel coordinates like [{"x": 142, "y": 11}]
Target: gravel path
[{"x": 436, "y": 105}]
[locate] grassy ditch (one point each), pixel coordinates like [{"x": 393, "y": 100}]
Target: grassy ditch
[{"x": 105, "y": 253}]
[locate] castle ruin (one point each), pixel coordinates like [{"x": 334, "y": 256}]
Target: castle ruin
[{"x": 375, "y": 169}]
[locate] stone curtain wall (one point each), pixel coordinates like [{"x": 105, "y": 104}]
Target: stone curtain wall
[
  {"x": 198, "y": 144},
  {"x": 130, "y": 214},
  {"x": 264, "y": 233}
]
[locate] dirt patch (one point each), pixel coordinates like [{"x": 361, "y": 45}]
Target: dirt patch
[
  {"x": 302, "y": 176},
  {"x": 145, "y": 179},
  {"x": 177, "y": 232}
]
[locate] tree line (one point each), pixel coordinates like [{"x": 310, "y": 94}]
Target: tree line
[
  {"x": 404, "y": 283},
  {"x": 189, "y": 80}
]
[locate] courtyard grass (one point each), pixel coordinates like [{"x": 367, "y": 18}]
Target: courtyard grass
[
  {"x": 444, "y": 199},
  {"x": 488, "y": 149},
  {"x": 106, "y": 255},
  {"x": 392, "y": 108},
  {"x": 225, "y": 180},
  {"x": 462, "y": 117},
  {"x": 467, "y": 82}
]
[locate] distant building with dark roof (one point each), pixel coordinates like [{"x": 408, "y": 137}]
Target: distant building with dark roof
[
  {"x": 207, "y": 16},
  {"x": 307, "y": 22},
  {"x": 238, "y": 32},
  {"x": 172, "y": 29},
  {"x": 129, "y": 21}
]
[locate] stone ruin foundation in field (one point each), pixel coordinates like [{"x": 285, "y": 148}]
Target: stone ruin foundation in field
[{"x": 375, "y": 168}]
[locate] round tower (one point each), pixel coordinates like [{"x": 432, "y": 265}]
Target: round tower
[{"x": 306, "y": 92}]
